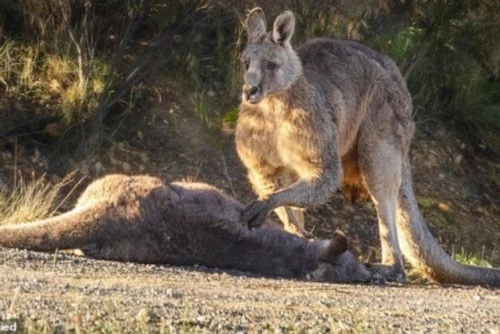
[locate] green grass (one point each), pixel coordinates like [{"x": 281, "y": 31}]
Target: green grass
[
  {"x": 51, "y": 80},
  {"x": 471, "y": 259},
  {"x": 202, "y": 108},
  {"x": 230, "y": 118},
  {"x": 441, "y": 220}
]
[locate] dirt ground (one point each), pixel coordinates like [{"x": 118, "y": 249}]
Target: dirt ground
[
  {"x": 69, "y": 294},
  {"x": 458, "y": 191}
]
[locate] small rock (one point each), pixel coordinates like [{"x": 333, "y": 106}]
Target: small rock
[
  {"x": 145, "y": 315},
  {"x": 27, "y": 255},
  {"x": 458, "y": 159},
  {"x": 173, "y": 294}
]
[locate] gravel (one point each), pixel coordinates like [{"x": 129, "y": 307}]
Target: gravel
[{"x": 62, "y": 293}]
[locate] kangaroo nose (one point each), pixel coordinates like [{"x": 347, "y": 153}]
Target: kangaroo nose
[
  {"x": 253, "y": 90},
  {"x": 251, "y": 93}
]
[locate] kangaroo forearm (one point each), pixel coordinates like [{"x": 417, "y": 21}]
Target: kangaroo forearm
[{"x": 306, "y": 192}]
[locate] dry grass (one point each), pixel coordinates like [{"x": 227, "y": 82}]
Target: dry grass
[{"x": 34, "y": 199}]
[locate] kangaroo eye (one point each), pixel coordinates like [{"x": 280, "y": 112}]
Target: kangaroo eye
[
  {"x": 270, "y": 65},
  {"x": 246, "y": 64}
]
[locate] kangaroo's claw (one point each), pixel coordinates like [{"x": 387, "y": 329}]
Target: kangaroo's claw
[{"x": 255, "y": 213}]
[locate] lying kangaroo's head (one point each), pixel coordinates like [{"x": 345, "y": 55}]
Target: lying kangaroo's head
[
  {"x": 339, "y": 265},
  {"x": 269, "y": 61}
]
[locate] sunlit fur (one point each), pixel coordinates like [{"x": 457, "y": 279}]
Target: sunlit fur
[
  {"x": 142, "y": 219},
  {"x": 335, "y": 112}
]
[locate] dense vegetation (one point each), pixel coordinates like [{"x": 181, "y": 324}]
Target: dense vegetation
[{"x": 67, "y": 67}]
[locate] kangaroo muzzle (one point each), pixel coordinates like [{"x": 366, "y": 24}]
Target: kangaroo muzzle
[{"x": 252, "y": 93}]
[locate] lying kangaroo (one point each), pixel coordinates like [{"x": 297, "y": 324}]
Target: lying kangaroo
[
  {"x": 141, "y": 219},
  {"x": 335, "y": 111}
]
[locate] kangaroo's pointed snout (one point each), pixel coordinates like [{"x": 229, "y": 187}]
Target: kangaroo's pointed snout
[{"x": 251, "y": 93}]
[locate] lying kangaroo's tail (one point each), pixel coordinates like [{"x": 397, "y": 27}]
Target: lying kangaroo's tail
[
  {"x": 72, "y": 229},
  {"x": 424, "y": 252}
]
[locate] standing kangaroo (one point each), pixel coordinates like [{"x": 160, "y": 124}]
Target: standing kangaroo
[
  {"x": 141, "y": 219},
  {"x": 329, "y": 112}
]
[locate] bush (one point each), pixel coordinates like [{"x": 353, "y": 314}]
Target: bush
[{"x": 79, "y": 61}]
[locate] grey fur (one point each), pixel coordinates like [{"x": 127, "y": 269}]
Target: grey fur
[
  {"x": 335, "y": 112},
  {"x": 141, "y": 219}
]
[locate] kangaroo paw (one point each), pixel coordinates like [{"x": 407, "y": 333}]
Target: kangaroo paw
[{"x": 255, "y": 213}]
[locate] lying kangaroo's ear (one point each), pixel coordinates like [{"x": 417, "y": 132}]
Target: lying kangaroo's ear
[
  {"x": 338, "y": 245},
  {"x": 284, "y": 25},
  {"x": 256, "y": 25}
]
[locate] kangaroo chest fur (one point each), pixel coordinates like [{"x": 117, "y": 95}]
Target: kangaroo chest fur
[
  {"x": 259, "y": 133},
  {"x": 276, "y": 138}
]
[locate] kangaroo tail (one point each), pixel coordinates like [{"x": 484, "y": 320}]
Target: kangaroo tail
[
  {"x": 72, "y": 229},
  {"x": 424, "y": 252}
]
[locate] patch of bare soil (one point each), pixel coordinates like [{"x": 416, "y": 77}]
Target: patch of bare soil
[
  {"x": 458, "y": 192},
  {"x": 69, "y": 294}
]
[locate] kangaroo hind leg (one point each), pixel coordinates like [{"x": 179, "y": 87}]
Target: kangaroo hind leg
[{"x": 380, "y": 163}]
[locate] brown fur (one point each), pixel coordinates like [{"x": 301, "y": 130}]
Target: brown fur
[
  {"x": 334, "y": 112},
  {"x": 141, "y": 219}
]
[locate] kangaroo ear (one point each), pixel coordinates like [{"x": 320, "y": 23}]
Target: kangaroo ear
[
  {"x": 284, "y": 25},
  {"x": 256, "y": 25},
  {"x": 338, "y": 245}
]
